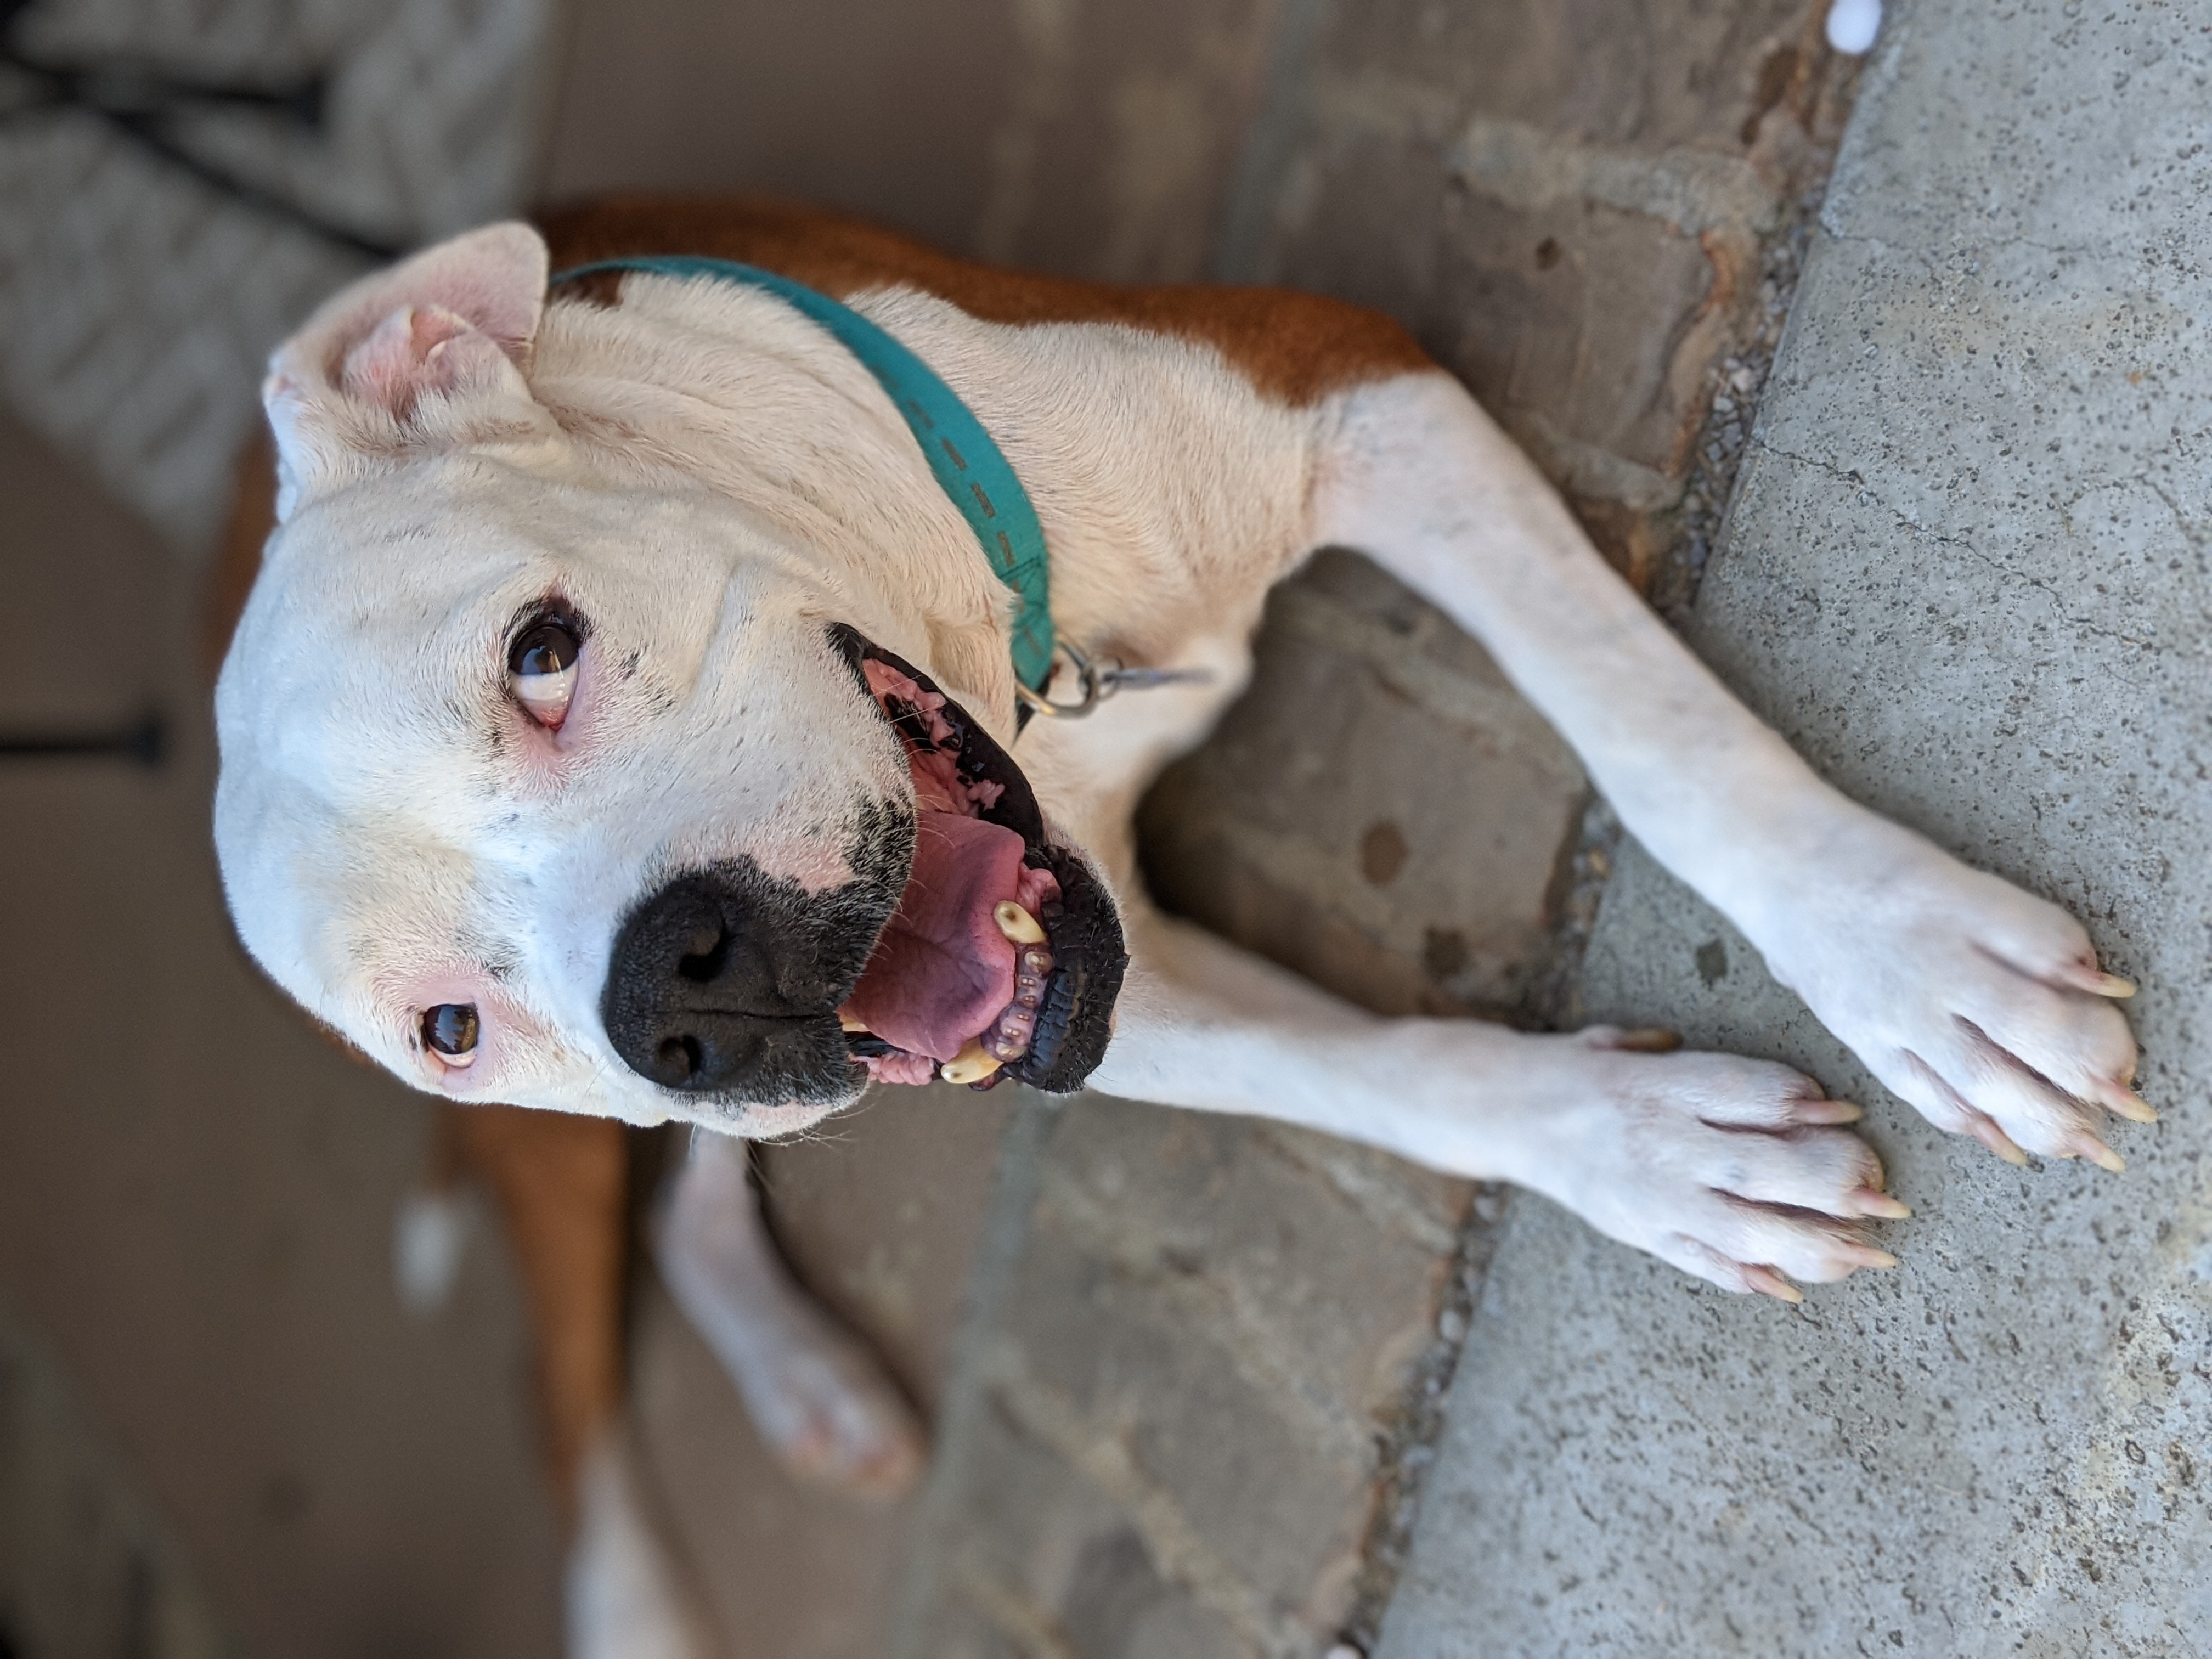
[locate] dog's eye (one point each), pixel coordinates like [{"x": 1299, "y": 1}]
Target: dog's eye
[
  {"x": 450, "y": 1031},
  {"x": 541, "y": 671}
]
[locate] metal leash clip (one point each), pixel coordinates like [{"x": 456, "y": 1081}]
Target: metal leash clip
[{"x": 1096, "y": 681}]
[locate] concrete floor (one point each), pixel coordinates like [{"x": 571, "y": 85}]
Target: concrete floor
[
  {"x": 195, "y": 1192},
  {"x": 1967, "y": 572}
]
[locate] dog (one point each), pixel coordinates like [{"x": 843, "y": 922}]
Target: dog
[
  {"x": 564, "y": 1187},
  {"x": 633, "y": 717}
]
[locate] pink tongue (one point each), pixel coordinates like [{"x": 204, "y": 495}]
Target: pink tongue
[{"x": 942, "y": 971}]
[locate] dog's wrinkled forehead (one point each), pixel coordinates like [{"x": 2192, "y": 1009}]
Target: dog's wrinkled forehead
[
  {"x": 371, "y": 662},
  {"x": 400, "y": 825},
  {"x": 388, "y": 811}
]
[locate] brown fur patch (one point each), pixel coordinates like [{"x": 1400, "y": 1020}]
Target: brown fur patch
[
  {"x": 561, "y": 1184},
  {"x": 1295, "y": 348},
  {"x": 238, "y": 562}
]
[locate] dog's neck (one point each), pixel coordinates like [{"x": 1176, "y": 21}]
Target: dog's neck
[{"x": 1171, "y": 493}]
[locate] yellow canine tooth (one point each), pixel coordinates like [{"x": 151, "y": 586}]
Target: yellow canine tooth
[
  {"x": 970, "y": 1065},
  {"x": 1018, "y": 923},
  {"x": 850, "y": 1022}
]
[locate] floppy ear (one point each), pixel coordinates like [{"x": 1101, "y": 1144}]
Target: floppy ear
[{"x": 428, "y": 355}]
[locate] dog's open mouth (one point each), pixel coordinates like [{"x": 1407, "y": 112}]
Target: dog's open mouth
[{"x": 1005, "y": 955}]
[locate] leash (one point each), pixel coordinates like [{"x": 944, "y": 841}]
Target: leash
[{"x": 969, "y": 466}]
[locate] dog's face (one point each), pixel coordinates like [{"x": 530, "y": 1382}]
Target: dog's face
[{"x": 544, "y": 789}]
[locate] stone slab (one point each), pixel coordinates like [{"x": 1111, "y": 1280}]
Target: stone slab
[
  {"x": 1191, "y": 1337},
  {"x": 1095, "y": 137},
  {"x": 1967, "y": 572},
  {"x": 1381, "y": 811},
  {"x": 1567, "y": 204}
]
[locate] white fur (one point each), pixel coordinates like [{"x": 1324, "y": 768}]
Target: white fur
[
  {"x": 712, "y": 477},
  {"x": 622, "y": 1597},
  {"x": 818, "y": 1400}
]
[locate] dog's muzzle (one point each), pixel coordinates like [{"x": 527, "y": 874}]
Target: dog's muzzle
[{"x": 726, "y": 983}]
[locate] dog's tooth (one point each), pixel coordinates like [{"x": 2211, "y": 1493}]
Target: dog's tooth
[
  {"x": 1034, "y": 959},
  {"x": 1017, "y": 923},
  {"x": 970, "y": 1065},
  {"x": 850, "y": 1022}
]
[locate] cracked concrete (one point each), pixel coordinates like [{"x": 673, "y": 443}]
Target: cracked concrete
[{"x": 1966, "y": 571}]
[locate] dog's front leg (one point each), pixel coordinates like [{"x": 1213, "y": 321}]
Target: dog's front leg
[
  {"x": 1983, "y": 1007},
  {"x": 1730, "y": 1168},
  {"x": 822, "y": 1404}
]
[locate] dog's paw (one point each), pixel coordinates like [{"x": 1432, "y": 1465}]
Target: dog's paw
[
  {"x": 826, "y": 1409},
  {"x": 624, "y": 1596},
  {"x": 1736, "y": 1171},
  {"x": 817, "y": 1397},
  {"x": 1983, "y": 1006}
]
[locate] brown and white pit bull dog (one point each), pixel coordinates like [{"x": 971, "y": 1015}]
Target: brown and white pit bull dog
[{"x": 622, "y": 723}]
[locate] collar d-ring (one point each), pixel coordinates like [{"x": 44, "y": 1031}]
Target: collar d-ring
[{"x": 1091, "y": 686}]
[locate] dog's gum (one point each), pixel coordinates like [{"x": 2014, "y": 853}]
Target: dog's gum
[{"x": 1015, "y": 1030}]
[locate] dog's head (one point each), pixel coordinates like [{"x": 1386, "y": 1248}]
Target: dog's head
[{"x": 544, "y": 786}]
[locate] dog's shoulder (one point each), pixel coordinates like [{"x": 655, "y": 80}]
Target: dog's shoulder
[{"x": 1294, "y": 347}]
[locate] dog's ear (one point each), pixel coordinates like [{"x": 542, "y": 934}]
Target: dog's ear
[{"x": 428, "y": 354}]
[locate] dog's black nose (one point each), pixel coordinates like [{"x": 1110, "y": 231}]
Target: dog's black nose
[{"x": 722, "y": 982}]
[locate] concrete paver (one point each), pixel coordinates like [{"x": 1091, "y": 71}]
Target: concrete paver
[
  {"x": 1162, "y": 1433},
  {"x": 1967, "y": 574}
]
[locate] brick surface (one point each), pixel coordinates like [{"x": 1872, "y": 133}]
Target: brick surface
[
  {"x": 1382, "y": 813},
  {"x": 776, "y": 1566},
  {"x": 1566, "y": 202},
  {"x": 138, "y": 304},
  {"x": 878, "y": 1216},
  {"x": 1182, "y": 1387},
  {"x": 1168, "y": 1352},
  {"x": 87, "y": 1563},
  {"x": 1096, "y": 138},
  {"x": 1966, "y": 575},
  {"x": 197, "y": 1221},
  {"x": 1122, "y": 124}
]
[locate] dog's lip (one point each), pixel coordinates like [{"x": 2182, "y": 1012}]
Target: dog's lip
[{"x": 1082, "y": 929}]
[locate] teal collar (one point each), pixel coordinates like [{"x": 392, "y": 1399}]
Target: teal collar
[{"x": 968, "y": 466}]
